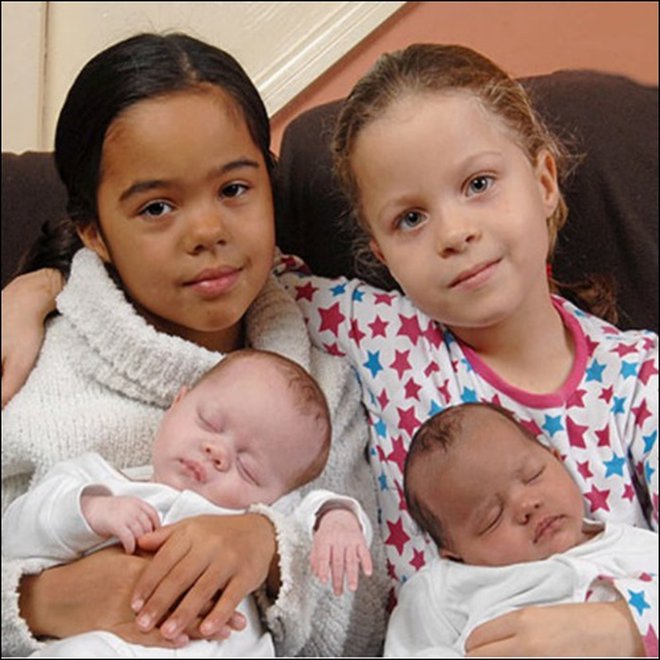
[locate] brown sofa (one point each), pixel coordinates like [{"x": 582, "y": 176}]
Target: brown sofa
[{"x": 612, "y": 196}]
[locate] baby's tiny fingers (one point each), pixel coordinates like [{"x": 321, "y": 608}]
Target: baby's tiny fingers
[
  {"x": 338, "y": 571},
  {"x": 152, "y": 516},
  {"x": 365, "y": 559},
  {"x": 320, "y": 561},
  {"x": 127, "y": 539},
  {"x": 352, "y": 564}
]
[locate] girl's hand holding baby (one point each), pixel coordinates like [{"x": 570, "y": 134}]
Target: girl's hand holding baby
[
  {"x": 339, "y": 548},
  {"x": 127, "y": 518}
]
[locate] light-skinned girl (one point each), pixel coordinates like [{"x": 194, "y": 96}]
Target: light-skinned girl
[
  {"x": 454, "y": 181},
  {"x": 163, "y": 146}
]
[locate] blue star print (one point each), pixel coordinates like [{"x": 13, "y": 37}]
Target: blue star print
[
  {"x": 614, "y": 465},
  {"x": 553, "y": 424},
  {"x": 468, "y": 395},
  {"x": 595, "y": 371},
  {"x": 649, "y": 441},
  {"x": 373, "y": 363},
  {"x": 338, "y": 290},
  {"x": 638, "y": 601},
  {"x": 381, "y": 428},
  {"x": 617, "y": 405},
  {"x": 382, "y": 481},
  {"x": 629, "y": 369}
]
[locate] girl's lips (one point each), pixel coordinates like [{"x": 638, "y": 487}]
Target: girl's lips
[
  {"x": 212, "y": 283},
  {"x": 474, "y": 277}
]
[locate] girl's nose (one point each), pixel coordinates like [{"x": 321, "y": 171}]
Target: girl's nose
[
  {"x": 205, "y": 230},
  {"x": 454, "y": 234},
  {"x": 219, "y": 456}
]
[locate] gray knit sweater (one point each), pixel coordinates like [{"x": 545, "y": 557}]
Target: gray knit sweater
[{"x": 103, "y": 379}]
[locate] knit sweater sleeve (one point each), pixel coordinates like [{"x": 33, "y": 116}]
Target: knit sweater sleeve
[{"x": 307, "y": 618}]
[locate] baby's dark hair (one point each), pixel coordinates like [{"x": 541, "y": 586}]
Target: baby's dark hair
[
  {"x": 438, "y": 434},
  {"x": 439, "y": 68},
  {"x": 307, "y": 397}
]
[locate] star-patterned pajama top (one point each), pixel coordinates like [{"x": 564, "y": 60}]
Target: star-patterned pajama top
[{"x": 603, "y": 420}]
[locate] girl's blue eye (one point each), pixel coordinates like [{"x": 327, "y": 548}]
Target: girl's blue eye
[
  {"x": 480, "y": 184},
  {"x": 234, "y": 190},
  {"x": 156, "y": 209},
  {"x": 409, "y": 220}
]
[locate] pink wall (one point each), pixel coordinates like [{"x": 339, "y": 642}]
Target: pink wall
[{"x": 525, "y": 38}]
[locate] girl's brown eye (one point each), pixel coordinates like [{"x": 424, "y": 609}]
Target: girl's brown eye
[
  {"x": 234, "y": 190},
  {"x": 156, "y": 209}
]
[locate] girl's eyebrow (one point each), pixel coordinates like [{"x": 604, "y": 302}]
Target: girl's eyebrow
[{"x": 151, "y": 184}]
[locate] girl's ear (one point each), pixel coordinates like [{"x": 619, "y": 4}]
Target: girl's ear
[
  {"x": 91, "y": 237},
  {"x": 546, "y": 174},
  {"x": 373, "y": 246}
]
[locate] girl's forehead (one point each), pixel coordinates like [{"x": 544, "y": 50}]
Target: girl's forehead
[{"x": 178, "y": 101}]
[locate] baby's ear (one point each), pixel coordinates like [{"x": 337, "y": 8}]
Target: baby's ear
[
  {"x": 448, "y": 554},
  {"x": 179, "y": 395}
]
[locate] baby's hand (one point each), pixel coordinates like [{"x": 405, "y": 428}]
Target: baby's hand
[
  {"x": 122, "y": 516},
  {"x": 339, "y": 547}
]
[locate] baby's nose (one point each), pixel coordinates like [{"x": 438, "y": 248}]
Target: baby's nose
[{"x": 219, "y": 456}]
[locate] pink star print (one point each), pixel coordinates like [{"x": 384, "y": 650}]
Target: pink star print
[
  {"x": 412, "y": 389},
  {"x": 402, "y": 497},
  {"x": 378, "y": 327},
  {"x": 355, "y": 333},
  {"x": 331, "y": 319},
  {"x": 583, "y": 469},
  {"x": 628, "y": 492},
  {"x": 444, "y": 390},
  {"x": 398, "y": 453},
  {"x": 647, "y": 370},
  {"x": 418, "y": 560},
  {"x": 641, "y": 413},
  {"x": 598, "y": 499},
  {"x": 431, "y": 369},
  {"x": 384, "y": 299},
  {"x": 624, "y": 349},
  {"x": 433, "y": 335},
  {"x": 575, "y": 433},
  {"x": 531, "y": 426},
  {"x": 606, "y": 394},
  {"x": 333, "y": 349},
  {"x": 383, "y": 399},
  {"x": 408, "y": 421},
  {"x": 577, "y": 399},
  {"x": 401, "y": 364},
  {"x": 410, "y": 328},
  {"x": 307, "y": 291},
  {"x": 398, "y": 538},
  {"x": 651, "y": 643},
  {"x": 603, "y": 437}
]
